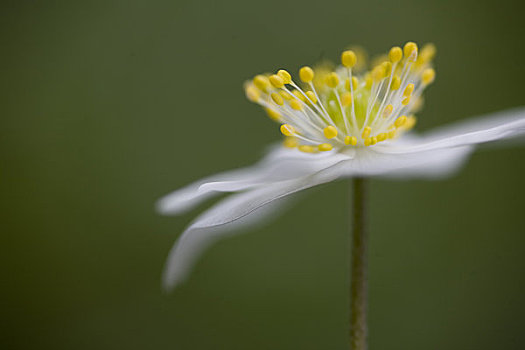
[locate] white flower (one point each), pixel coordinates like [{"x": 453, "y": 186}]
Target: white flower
[{"x": 340, "y": 124}]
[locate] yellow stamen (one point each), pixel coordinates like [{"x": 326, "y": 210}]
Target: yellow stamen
[
  {"x": 348, "y": 58},
  {"x": 388, "y": 110},
  {"x": 381, "y": 137},
  {"x": 299, "y": 95},
  {"x": 411, "y": 121},
  {"x": 277, "y": 98},
  {"x": 296, "y": 104},
  {"x": 332, "y": 80},
  {"x": 285, "y": 76},
  {"x": 325, "y": 147},
  {"x": 252, "y": 93},
  {"x": 391, "y": 134},
  {"x": 378, "y": 73},
  {"x": 261, "y": 82},
  {"x": 306, "y": 74},
  {"x": 290, "y": 142},
  {"x": 354, "y": 83},
  {"x": 427, "y": 53},
  {"x": 330, "y": 132},
  {"x": 395, "y": 54},
  {"x": 368, "y": 81},
  {"x": 428, "y": 76},
  {"x": 287, "y": 130},
  {"x": 346, "y": 99},
  {"x": 276, "y": 81},
  {"x": 285, "y": 94},
  {"x": 408, "y": 90},
  {"x": 311, "y": 96},
  {"x": 366, "y": 132},
  {"x": 350, "y": 140},
  {"x": 273, "y": 114},
  {"x": 368, "y": 141},
  {"x": 306, "y": 149},
  {"x": 388, "y": 68},
  {"x": 400, "y": 121},
  {"x": 396, "y": 83},
  {"x": 410, "y": 51}
]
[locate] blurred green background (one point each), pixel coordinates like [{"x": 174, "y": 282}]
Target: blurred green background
[{"x": 108, "y": 105}]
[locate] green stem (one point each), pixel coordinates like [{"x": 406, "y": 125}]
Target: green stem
[{"x": 358, "y": 284}]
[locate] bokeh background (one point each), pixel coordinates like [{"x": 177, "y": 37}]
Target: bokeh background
[{"x": 108, "y": 105}]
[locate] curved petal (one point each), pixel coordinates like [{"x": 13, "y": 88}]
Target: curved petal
[
  {"x": 278, "y": 165},
  {"x": 492, "y": 127},
  {"x": 233, "y": 212},
  {"x": 432, "y": 164},
  {"x": 371, "y": 162}
]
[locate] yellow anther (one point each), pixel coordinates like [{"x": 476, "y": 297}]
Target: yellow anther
[
  {"x": 311, "y": 96},
  {"x": 287, "y": 130},
  {"x": 405, "y": 101},
  {"x": 346, "y": 99},
  {"x": 374, "y": 141},
  {"x": 366, "y": 132},
  {"x": 277, "y": 98},
  {"x": 276, "y": 81},
  {"x": 350, "y": 140},
  {"x": 272, "y": 113},
  {"x": 285, "y": 76},
  {"x": 411, "y": 121},
  {"x": 299, "y": 95},
  {"x": 417, "y": 105},
  {"x": 368, "y": 141},
  {"x": 285, "y": 94},
  {"x": 428, "y": 51},
  {"x": 323, "y": 147},
  {"x": 354, "y": 83},
  {"x": 391, "y": 134},
  {"x": 428, "y": 76},
  {"x": 368, "y": 81},
  {"x": 400, "y": 121},
  {"x": 348, "y": 58},
  {"x": 332, "y": 80},
  {"x": 408, "y": 90},
  {"x": 388, "y": 68},
  {"x": 378, "y": 73},
  {"x": 261, "y": 82},
  {"x": 306, "y": 149},
  {"x": 395, "y": 54},
  {"x": 290, "y": 142},
  {"x": 382, "y": 137},
  {"x": 296, "y": 104},
  {"x": 396, "y": 83},
  {"x": 252, "y": 93},
  {"x": 330, "y": 132},
  {"x": 306, "y": 74},
  {"x": 410, "y": 51},
  {"x": 388, "y": 110}
]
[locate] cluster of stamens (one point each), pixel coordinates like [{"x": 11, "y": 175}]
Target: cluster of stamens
[{"x": 334, "y": 109}]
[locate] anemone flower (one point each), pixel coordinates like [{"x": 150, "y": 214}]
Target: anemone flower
[{"x": 339, "y": 122}]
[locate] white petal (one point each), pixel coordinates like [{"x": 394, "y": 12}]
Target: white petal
[
  {"x": 279, "y": 164},
  {"x": 372, "y": 162},
  {"x": 433, "y": 164},
  {"x": 492, "y": 127},
  {"x": 234, "y": 211}
]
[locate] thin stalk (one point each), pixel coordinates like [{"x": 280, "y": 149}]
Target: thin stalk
[{"x": 358, "y": 269}]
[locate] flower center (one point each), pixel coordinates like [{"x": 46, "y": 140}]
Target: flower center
[{"x": 343, "y": 107}]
